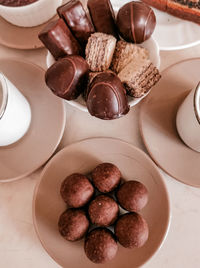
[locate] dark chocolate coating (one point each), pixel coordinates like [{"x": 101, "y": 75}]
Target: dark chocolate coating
[
  {"x": 106, "y": 97},
  {"x": 103, "y": 211},
  {"x": 136, "y": 22},
  {"x": 132, "y": 196},
  {"x": 131, "y": 230},
  {"x": 16, "y": 3},
  {"x": 76, "y": 190},
  {"x": 73, "y": 224},
  {"x": 59, "y": 40},
  {"x": 76, "y": 18},
  {"x": 67, "y": 77},
  {"x": 106, "y": 177},
  {"x": 103, "y": 17},
  {"x": 100, "y": 245}
]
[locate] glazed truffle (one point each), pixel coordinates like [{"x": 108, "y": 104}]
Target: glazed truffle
[
  {"x": 132, "y": 196},
  {"x": 73, "y": 224},
  {"x": 103, "y": 211},
  {"x": 68, "y": 77},
  {"x": 131, "y": 230},
  {"x": 106, "y": 177},
  {"x": 76, "y": 190},
  {"x": 100, "y": 245},
  {"x": 136, "y": 22},
  {"x": 106, "y": 97}
]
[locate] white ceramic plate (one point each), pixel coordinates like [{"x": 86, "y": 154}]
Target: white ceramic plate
[
  {"x": 151, "y": 45},
  {"x": 171, "y": 33},
  {"x": 82, "y": 157}
]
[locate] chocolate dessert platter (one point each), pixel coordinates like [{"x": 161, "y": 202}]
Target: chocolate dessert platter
[{"x": 101, "y": 59}]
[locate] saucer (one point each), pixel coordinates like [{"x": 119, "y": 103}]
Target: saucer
[
  {"x": 20, "y": 37},
  {"x": 158, "y": 122},
  {"x": 82, "y": 157},
  {"x": 47, "y": 124}
]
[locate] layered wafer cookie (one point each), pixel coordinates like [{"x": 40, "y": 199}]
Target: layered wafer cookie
[
  {"x": 125, "y": 53},
  {"x": 99, "y": 51},
  {"x": 138, "y": 77}
]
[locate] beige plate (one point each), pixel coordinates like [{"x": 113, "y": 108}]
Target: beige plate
[
  {"x": 83, "y": 157},
  {"x": 47, "y": 125},
  {"x": 20, "y": 37},
  {"x": 158, "y": 127}
]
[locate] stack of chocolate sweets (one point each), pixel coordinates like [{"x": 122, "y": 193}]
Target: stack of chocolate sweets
[
  {"x": 102, "y": 62},
  {"x": 93, "y": 211}
]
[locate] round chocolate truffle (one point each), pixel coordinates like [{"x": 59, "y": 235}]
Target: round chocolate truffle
[
  {"x": 106, "y": 97},
  {"x": 132, "y": 196},
  {"x": 106, "y": 177},
  {"x": 103, "y": 210},
  {"x": 131, "y": 230},
  {"x": 76, "y": 190},
  {"x": 136, "y": 22},
  {"x": 100, "y": 245},
  {"x": 73, "y": 224}
]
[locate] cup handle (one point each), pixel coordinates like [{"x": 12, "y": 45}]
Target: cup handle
[{"x": 197, "y": 102}]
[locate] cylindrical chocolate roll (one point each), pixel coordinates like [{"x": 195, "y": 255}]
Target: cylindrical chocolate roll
[
  {"x": 106, "y": 98},
  {"x": 136, "y": 22},
  {"x": 59, "y": 40},
  {"x": 67, "y": 77},
  {"x": 103, "y": 16},
  {"x": 76, "y": 18}
]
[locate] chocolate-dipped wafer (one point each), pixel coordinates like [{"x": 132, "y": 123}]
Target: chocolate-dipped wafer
[
  {"x": 106, "y": 97},
  {"x": 59, "y": 40},
  {"x": 68, "y": 77},
  {"x": 103, "y": 16},
  {"x": 76, "y": 18}
]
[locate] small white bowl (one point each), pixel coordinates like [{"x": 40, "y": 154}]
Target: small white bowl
[
  {"x": 151, "y": 45},
  {"x": 30, "y": 15}
]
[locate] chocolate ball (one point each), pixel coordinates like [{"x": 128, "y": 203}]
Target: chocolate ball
[
  {"x": 106, "y": 98},
  {"x": 73, "y": 224},
  {"x": 100, "y": 245},
  {"x": 106, "y": 177},
  {"x": 132, "y": 196},
  {"x": 68, "y": 77},
  {"x": 136, "y": 22},
  {"x": 131, "y": 230},
  {"x": 103, "y": 210},
  {"x": 76, "y": 190}
]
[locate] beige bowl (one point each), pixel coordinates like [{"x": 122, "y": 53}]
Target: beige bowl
[{"x": 30, "y": 15}]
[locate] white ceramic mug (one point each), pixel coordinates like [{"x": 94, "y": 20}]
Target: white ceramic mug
[
  {"x": 30, "y": 15},
  {"x": 188, "y": 119},
  {"x": 15, "y": 113}
]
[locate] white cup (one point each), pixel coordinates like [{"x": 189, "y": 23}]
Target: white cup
[
  {"x": 30, "y": 15},
  {"x": 188, "y": 119},
  {"x": 15, "y": 113}
]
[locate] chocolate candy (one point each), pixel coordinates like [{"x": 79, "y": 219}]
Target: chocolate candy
[
  {"x": 73, "y": 224},
  {"x": 103, "y": 16},
  {"x": 59, "y": 40},
  {"x": 106, "y": 97},
  {"x": 103, "y": 210},
  {"x": 76, "y": 190},
  {"x": 136, "y": 22},
  {"x": 75, "y": 16},
  {"x": 106, "y": 177},
  {"x": 131, "y": 230},
  {"x": 132, "y": 196},
  {"x": 100, "y": 245},
  {"x": 68, "y": 77}
]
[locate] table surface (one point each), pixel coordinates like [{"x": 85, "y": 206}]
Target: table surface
[{"x": 20, "y": 247}]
